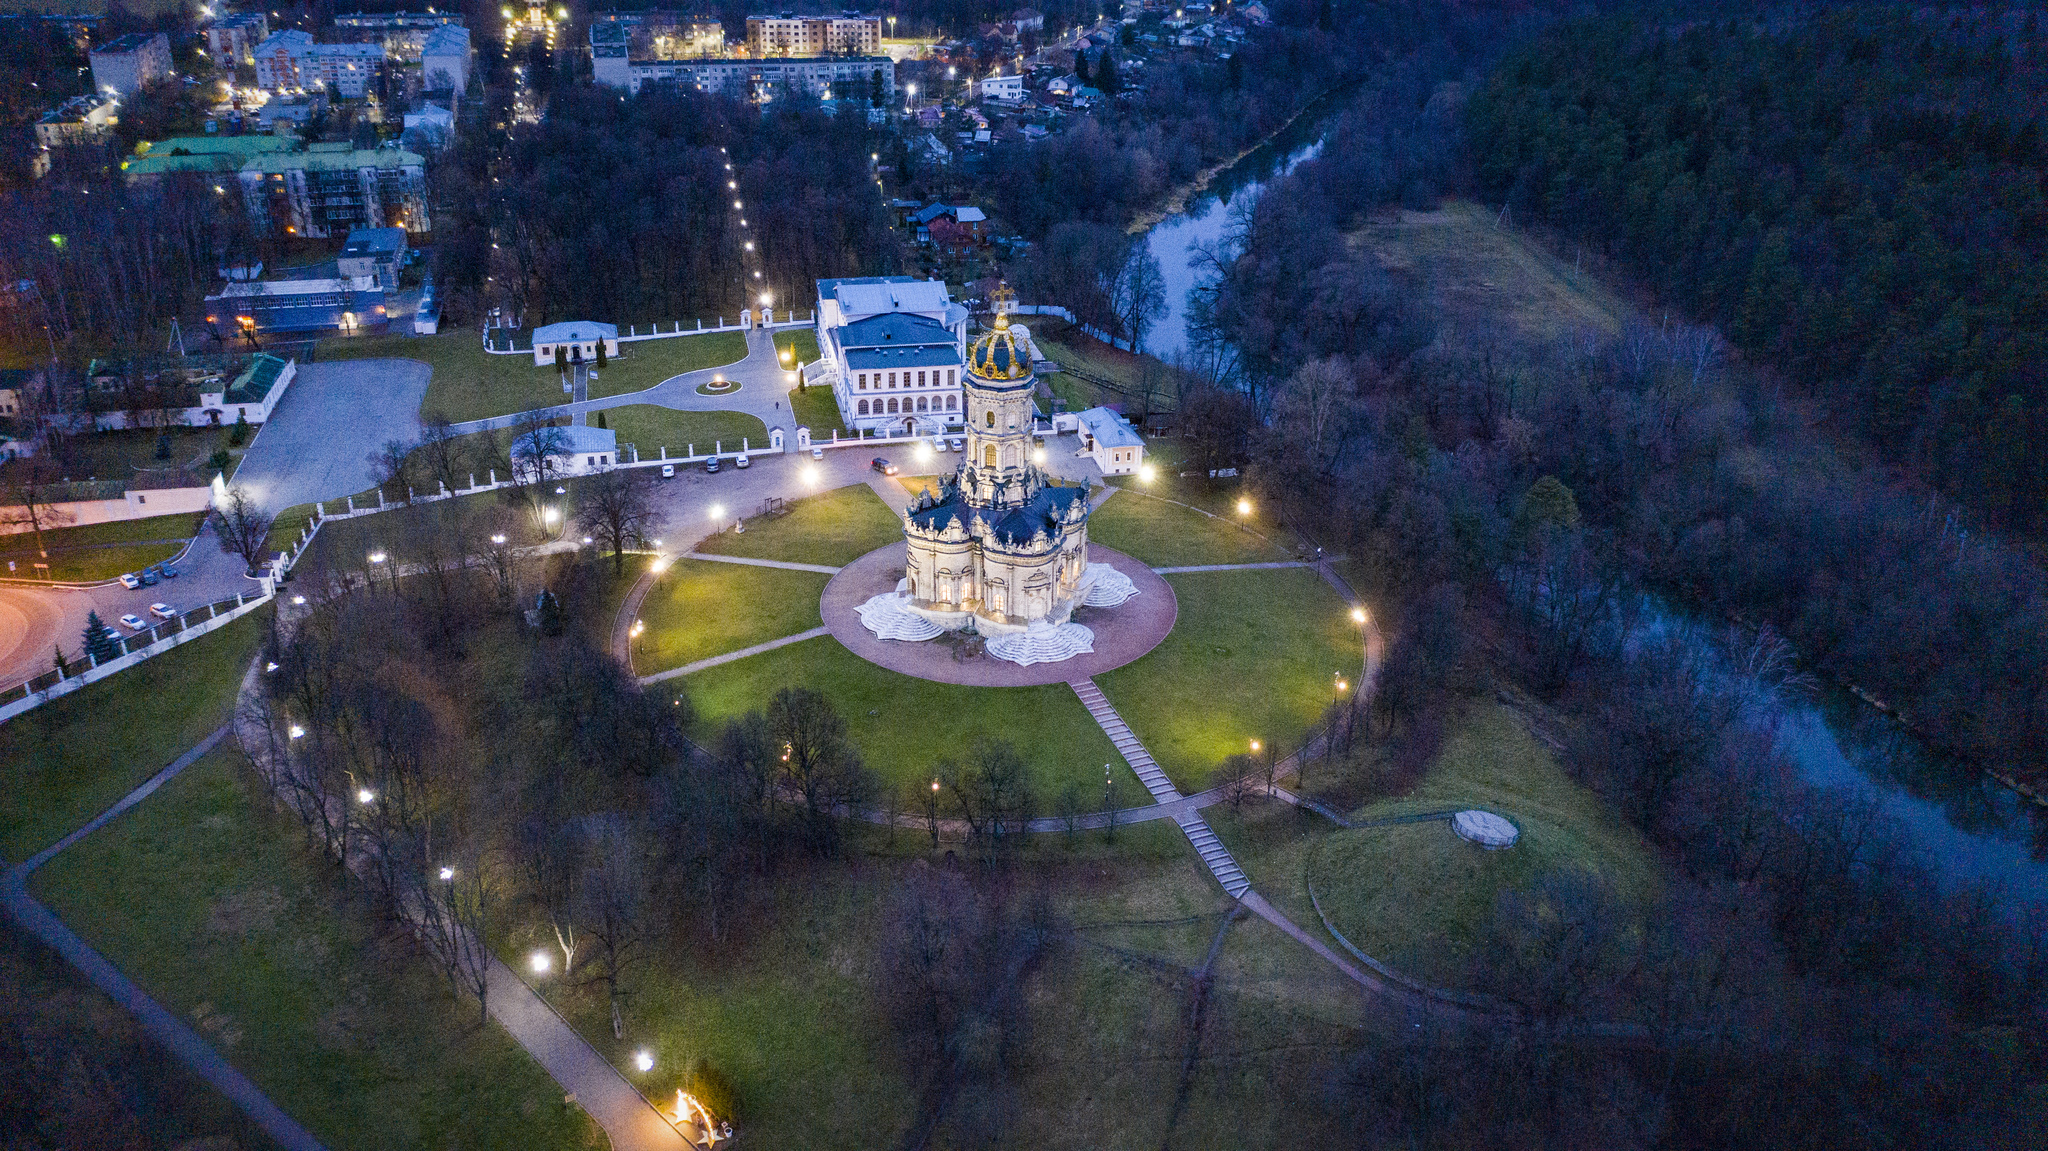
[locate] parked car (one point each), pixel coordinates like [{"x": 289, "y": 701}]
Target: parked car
[
  {"x": 883, "y": 466},
  {"x": 133, "y": 622},
  {"x": 130, "y": 580},
  {"x": 150, "y": 578},
  {"x": 817, "y": 453},
  {"x": 162, "y": 611},
  {"x": 668, "y": 471},
  {"x": 740, "y": 462},
  {"x": 959, "y": 443},
  {"x": 711, "y": 466},
  {"x": 169, "y": 571}
]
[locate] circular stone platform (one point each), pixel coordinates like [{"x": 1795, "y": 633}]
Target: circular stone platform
[
  {"x": 1122, "y": 633},
  {"x": 1486, "y": 829}
]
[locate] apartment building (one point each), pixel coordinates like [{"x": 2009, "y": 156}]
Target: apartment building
[
  {"x": 231, "y": 40},
  {"x": 123, "y": 66},
  {"x": 79, "y": 120},
  {"x": 761, "y": 81},
  {"x": 444, "y": 58},
  {"x": 330, "y": 190},
  {"x": 404, "y": 35},
  {"x": 291, "y": 61},
  {"x": 847, "y": 34}
]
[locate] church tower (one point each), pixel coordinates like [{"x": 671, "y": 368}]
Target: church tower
[{"x": 998, "y": 471}]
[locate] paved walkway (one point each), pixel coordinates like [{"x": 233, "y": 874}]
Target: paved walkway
[
  {"x": 730, "y": 656},
  {"x": 178, "y": 1038},
  {"x": 785, "y": 565},
  {"x": 1214, "y": 855},
  {"x": 1232, "y": 567}
]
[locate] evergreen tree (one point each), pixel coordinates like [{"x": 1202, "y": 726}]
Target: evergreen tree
[
  {"x": 550, "y": 610},
  {"x": 63, "y": 669},
  {"x": 1105, "y": 73},
  {"x": 1081, "y": 67},
  {"x": 600, "y": 353},
  {"x": 100, "y": 642}
]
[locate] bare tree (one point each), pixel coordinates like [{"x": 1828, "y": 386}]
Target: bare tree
[
  {"x": 1239, "y": 778},
  {"x": 440, "y": 453},
  {"x": 618, "y": 507},
  {"x": 32, "y": 500},
  {"x": 612, "y": 902},
  {"x": 550, "y": 854},
  {"x": 819, "y": 763},
  {"x": 243, "y": 527}
]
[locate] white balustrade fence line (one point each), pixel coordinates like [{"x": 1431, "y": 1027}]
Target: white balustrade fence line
[
  {"x": 62, "y": 684},
  {"x": 654, "y": 331}
]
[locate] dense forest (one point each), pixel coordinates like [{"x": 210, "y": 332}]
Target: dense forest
[{"x": 1856, "y": 195}]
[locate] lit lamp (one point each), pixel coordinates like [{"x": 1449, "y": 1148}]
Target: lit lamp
[
  {"x": 540, "y": 962},
  {"x": 1358, "y": 615},
  {"x": 1147, "y": 474}
]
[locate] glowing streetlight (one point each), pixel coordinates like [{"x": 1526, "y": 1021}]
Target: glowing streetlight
[
  {"x": 499, "y": 538},
  {"x": 737, "y": 204},
  {"x": 644, "y": 1060},
  {"x": 1358, "y": 615},
  {"x": 1255, "y": 745},
  {"x": 810, "y": 475},
  {"x": 935, "y": 785},
  {"x": 365, "y": 796},
  {"x": 732, "y": 185},
  {"x": 749, "y": 245},
  {"x": 766, "y": 299},
  {"x": 297, "y": 732},
  {"x": 540, "y": 962},
  {"x": 447, "y": 874},
  {"x": 1244, "y": 507},
  {"x": 924, "y": 449},
  {"x": 1147, "y": 474},
  {"x": 378, "y": 557},
  {"x": 272, "y": 666},
  {"x": 550, "y": 515},
  {"x": 299, "y": 601}
]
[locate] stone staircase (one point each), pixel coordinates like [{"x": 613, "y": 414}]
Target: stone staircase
[{"x": 1214, "y": 855}]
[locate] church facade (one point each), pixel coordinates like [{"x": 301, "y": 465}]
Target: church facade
[{"x": 1001, "y": 546}]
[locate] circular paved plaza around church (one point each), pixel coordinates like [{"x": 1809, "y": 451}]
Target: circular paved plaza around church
[{"x": 1122, "y": 633}]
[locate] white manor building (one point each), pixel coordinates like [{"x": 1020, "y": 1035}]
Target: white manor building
[
  {"x": 578, "y": 340},
  {"x": 893, "y": 349}
]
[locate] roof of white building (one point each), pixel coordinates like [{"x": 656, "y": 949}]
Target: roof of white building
[
  {"x": 873, "y": 299},
  {"x": 579, "y": 438},
  {"x": 574, "y": 332},
  {"x": 447, "y": 40},
  {"x": 1109, "y": 429}
]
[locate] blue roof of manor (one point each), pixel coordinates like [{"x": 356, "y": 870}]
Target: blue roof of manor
[
  {"x": 870, "y": 359},
  {"x": 574, "y": 332},
  {"x": 892, "y": 330}
]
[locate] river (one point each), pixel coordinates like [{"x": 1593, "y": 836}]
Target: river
[{"x": 1178, "y": 240}]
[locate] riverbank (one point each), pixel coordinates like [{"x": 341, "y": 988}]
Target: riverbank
[{"x": 1177, "y": 200}]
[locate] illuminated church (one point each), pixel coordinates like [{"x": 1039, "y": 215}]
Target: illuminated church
[{"x": 1001, "y": 545}]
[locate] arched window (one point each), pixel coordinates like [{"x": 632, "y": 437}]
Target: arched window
[
  {"x": 988, "y": 456},
  {"x": 952, "y": 403},
  {"x": 892, "y": 407},
  {"x": 920, "y": 403},
  {"x": 991, "y": 421},
  {"x": 863, "y": 409}
]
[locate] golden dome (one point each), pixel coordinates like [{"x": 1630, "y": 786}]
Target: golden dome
[{"x": 995, "y": 356}]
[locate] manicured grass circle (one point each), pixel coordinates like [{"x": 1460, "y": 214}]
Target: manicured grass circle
[{"x": 718, "y": 387}]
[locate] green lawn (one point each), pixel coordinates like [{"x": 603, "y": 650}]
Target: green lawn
[
  {"x": 470, "y": 383},
  {"x": 71, "y": 758},
  {"x": 699, "y": 608},
  {"x": 1166, "y": 534},
  {"x": 214, "y": 903},
  {"x": 119, "y": 455},
  {"x": 182, "y": 526},
  {"x": 796, "y": 346},
  {"x": 814, "y": 408},
  {"x": 650, "y": 428},
  {"x": 833, "y": 529},
  {"x": 915, "y": 721},
  {"x": 1250, "y": 657},
  {"x": 1417, "y": 897}
]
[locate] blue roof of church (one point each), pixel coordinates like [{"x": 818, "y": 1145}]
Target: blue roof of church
[
  {"x": 892, "y": 330},
  {"x": 1043, "y": 512}
]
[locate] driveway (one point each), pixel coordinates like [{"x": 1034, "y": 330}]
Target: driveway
[{"x": 317, "y": 444}]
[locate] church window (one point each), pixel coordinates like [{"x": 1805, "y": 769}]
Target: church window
[
  {"x": 988, "y": 457},
  {"x": 863, "y": 407},
  {"x": 952, "y": 402},
  {"x": 991, "y": 417}
]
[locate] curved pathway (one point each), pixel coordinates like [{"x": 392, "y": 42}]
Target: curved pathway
[{"x": 178, "y": 1038}]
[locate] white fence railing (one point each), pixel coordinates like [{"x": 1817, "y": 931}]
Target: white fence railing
[
  {"x": 633, "y": 334},
  {"x": 54, "y": 684}
]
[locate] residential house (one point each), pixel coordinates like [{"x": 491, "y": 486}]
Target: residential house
[
  {"x": 1109, "y": 440},
  {"x": 1008, "y": 89},
  {"x": 575, "y": 450},
  {"x": 1028, "y": 20},
  {"x": 444, "y": 59},
  {"x": 428, "y": 127},
  {"x": 578, "y": 340},
  {"x": 374, "y": 253},
  {"x": 79, "y": 120},
  {"x": 123, "y": 66},
  {"x": 311, "y": 300}
]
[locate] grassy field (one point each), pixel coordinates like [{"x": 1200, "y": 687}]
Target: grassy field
[
  {"x": 1478, "y": 276},
  {"x": 834, "y": 529},
  {"x": 1227, "y": 675},
  {"x": 796, "y": 346},
  {"x": 1418, "y": 897},
  {"x": 904, "y": 725},
  {"x": 83, "y": 554},
  {"x": 470, "y": 383},
  {"x": 650, "y": 428},
  {"x": 214, "y": 904},
  {"x": 699, "y": 608},
  {"x": 119, "y": 455},
  {"x": 814, "y": 408},
  {"x": 71, "y": 758},
  {"x": 1165, "y": 534}
]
